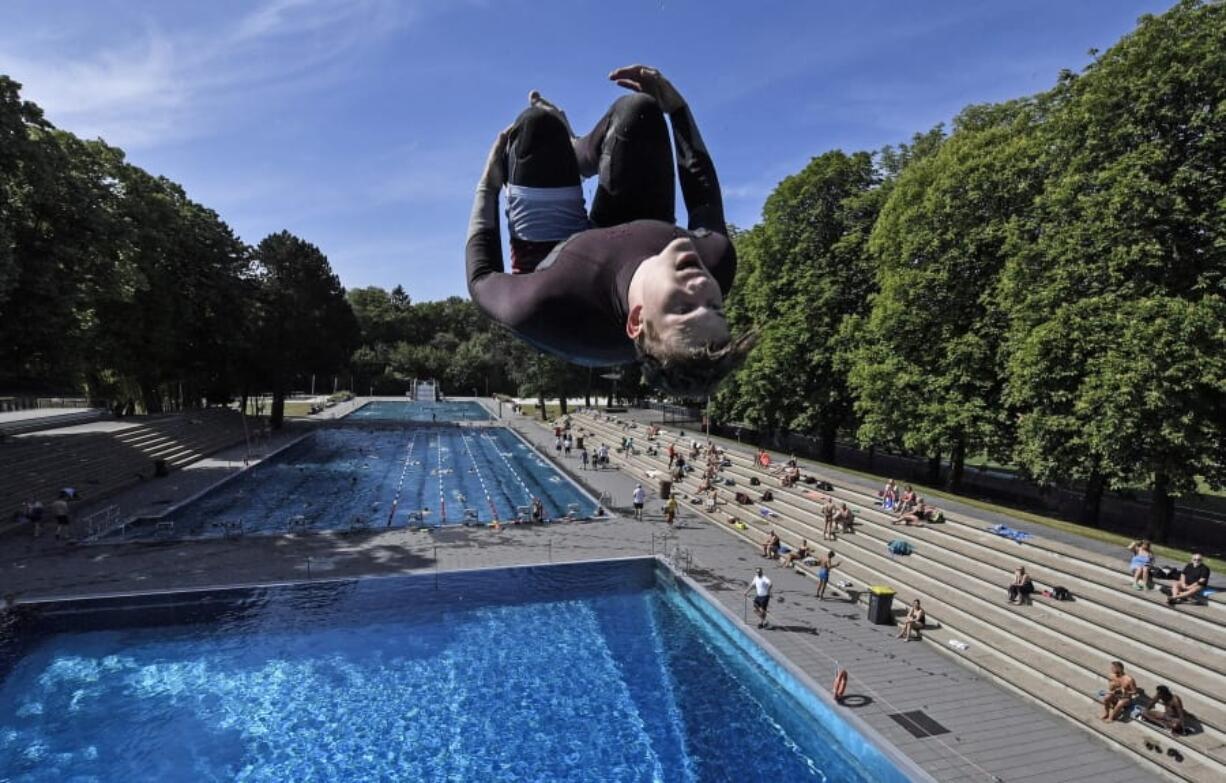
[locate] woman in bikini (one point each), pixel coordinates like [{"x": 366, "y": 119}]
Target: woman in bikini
[{"x": 914, "y": 621}]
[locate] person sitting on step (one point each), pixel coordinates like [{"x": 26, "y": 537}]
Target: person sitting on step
[
  {"x": 913, "y": 622},
  {"x": 1172, "y": 717},
  {"x": 799, "y": 553},
  {"x": 1021, "y": 587},
  {"x": 1140, "y": 565},
  {"x": 1121, "y": 690},
  {"x": 771, "y": 547},
  {"x": 1193, "y": 580}
]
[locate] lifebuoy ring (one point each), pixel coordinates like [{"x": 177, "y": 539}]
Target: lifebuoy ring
[{"x": 840, "y": 685}]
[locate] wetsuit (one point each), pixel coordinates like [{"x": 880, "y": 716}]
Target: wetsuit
[{"x": 574, "y": 302}]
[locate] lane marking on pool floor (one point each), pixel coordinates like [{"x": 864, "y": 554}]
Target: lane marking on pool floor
[
  {"x": 477, "y": 469},
  {"x": 514, "y": 473},
  {"x": 404, "y": 469}
]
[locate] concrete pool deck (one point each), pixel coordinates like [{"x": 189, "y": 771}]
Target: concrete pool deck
[{"x": 993, "y": 735}]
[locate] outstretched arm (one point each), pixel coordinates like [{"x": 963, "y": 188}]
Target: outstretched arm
[{"x": 696, "y": 172}]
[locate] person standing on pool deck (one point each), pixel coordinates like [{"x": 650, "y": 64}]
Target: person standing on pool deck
[
  {"x": 640, "y": 497},
  {"x": 59, "y": 510},
  {"x": 824, "y": 565},
  {"x": 761, "y": 586},
  {"x": 622, "y": 283}
]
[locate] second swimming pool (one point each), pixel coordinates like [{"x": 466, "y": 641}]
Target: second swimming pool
[{"x": 352, "y": 477}]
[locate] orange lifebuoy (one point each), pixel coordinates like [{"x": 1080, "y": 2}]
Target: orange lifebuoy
[{"x": 840, "y": 685}]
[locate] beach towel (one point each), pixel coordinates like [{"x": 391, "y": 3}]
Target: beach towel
[{"x": 1008, "y": 532}]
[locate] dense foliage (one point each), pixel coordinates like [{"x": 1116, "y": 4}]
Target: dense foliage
[{"x": 1044, "y": 286}]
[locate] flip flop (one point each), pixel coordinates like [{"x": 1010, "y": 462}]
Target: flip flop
[{"x": 1174, "y": 754}]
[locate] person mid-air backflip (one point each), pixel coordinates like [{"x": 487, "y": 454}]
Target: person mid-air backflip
[{"x": 623, "y": 283}]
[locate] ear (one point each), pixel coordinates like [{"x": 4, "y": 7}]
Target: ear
[{"x": 634, "y": 322}]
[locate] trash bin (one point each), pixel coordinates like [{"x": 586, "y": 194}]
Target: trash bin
[
  {"x": 880, "y": 602},
  {"x": 579, "y": 442},
  {"x": 666, "y": 489}
]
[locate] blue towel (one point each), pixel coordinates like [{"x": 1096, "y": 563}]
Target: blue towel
[{"x": 1008, "y": 532}]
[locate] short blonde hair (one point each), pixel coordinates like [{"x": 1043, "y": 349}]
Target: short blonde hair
[{"x": 691, "y": 371}]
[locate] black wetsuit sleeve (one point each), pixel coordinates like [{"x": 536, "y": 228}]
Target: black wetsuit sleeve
[
  {"x": 696, "y": 172},
  {"x": 483, "y": 258}
]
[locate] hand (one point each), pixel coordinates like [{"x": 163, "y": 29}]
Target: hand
[
  {"x": 649, "y": 81},
  {"x": 495, "y": 174}
]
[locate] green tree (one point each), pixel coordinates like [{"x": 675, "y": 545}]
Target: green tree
[
  {"x": 1120, "y": 270},
  {"x": 307, "y": 326},
  {"x": 926, "y": 370},
  {"x": 803, "y": 273}
]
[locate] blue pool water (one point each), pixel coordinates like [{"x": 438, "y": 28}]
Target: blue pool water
[
  {"x": 414, "y": 476},
  {"x": 595, "y": 672},
  {"x": 387, "y": 410}
]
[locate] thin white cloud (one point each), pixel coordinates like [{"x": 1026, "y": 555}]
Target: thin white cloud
[{"x": 161, "y": 86}]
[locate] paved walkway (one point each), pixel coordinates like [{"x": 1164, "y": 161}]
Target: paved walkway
[{"x": 993, "y": 735}]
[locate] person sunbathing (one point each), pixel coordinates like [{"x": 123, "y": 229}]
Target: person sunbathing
[
  {"x": 799, "y": 553},
  {"x": 1172, "y": 716},
  {"x": 1121, "y": 690},
  {"x": 1021, "y": 587},
  {"x": 913, "y": 622},
  {"x": 771, "y": 547},
  {"x": 621, "y": 283},
  {"x": 845, "y": 520},
  {"x": 908, "y": 500},
  {"x": 1140, "y": 565},
  {"x": 1193, "y": 580},
  {"x": 915, "y": 518}
]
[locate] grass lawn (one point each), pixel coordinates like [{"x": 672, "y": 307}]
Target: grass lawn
[{"x": 552, "y": 410}]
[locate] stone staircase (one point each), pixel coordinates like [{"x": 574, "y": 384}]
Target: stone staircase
[{"x": 1051, "y": 652}]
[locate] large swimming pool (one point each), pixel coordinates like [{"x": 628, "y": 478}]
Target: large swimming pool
[
  {"x": 345, "y": 477},
  {"x": 588, "y": 672},
  {"x": 407, "y": 410}
]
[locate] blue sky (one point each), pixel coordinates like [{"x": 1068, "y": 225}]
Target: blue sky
[{"x": 362, "y": 125}]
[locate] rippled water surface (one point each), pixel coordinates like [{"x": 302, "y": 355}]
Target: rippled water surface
[{"x": 392, "y": 683}]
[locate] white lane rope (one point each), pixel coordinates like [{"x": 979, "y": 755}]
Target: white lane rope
[
  {"x": 442, "y": 497},
  {"x": 404, "y": 469}
]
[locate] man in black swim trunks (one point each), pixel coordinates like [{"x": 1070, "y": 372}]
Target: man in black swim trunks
[
  {"x": 761, "y": 587},
  {"x": 622, "y": 283}
]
